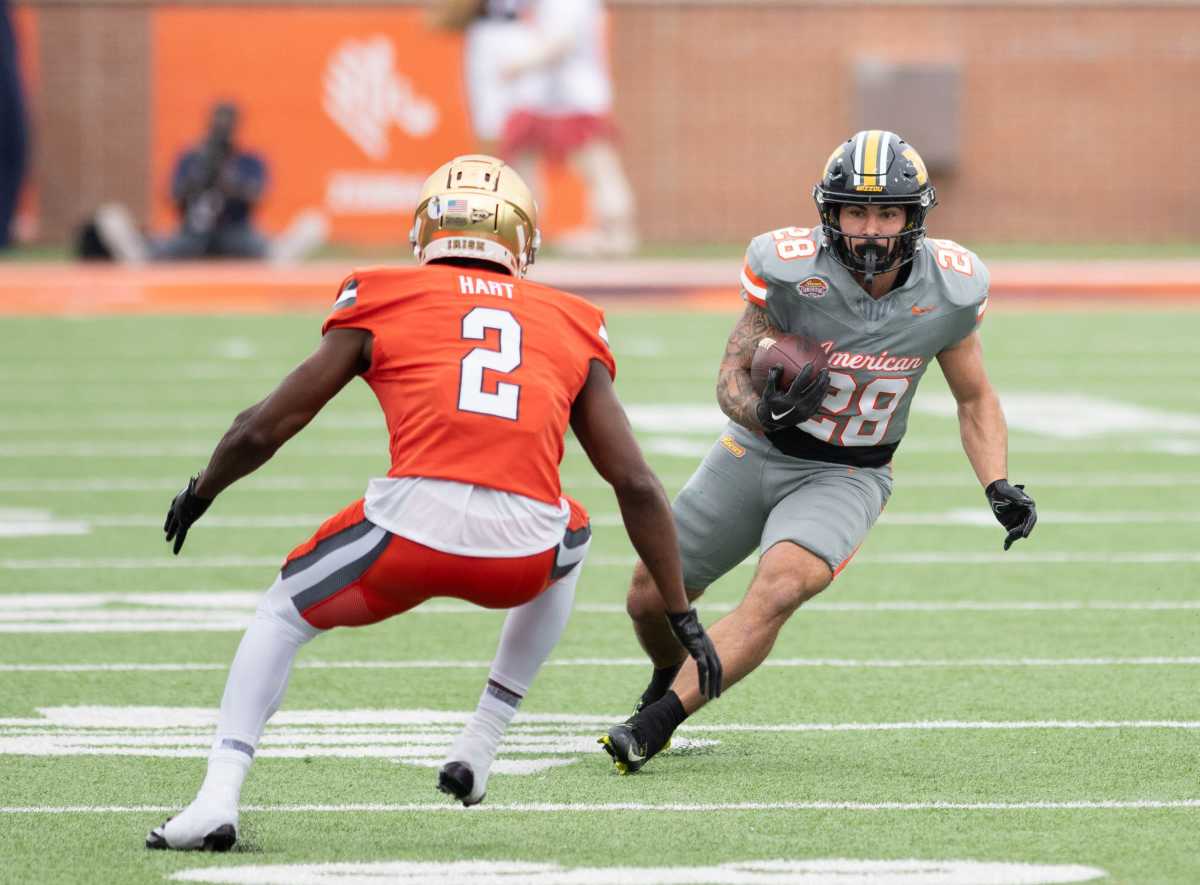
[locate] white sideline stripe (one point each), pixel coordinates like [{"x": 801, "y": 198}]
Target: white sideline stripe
[
  {"x": 957, "y": 479},
  {"x": 1168, "y": 557},
  {"x": 565, "y": 807},
  {"x": 777, "y": 663}
]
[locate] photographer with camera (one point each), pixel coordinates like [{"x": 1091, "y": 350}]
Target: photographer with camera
[{"x": 215, "y": 188}]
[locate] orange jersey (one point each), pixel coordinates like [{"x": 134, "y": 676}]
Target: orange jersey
[{"x": 475, "y": 371}]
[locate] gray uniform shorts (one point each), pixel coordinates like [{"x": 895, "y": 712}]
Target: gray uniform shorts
[{"x": 747, "y": 494}]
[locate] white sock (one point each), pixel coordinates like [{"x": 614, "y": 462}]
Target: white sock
[
  {"x": 227, "y": 769},
  {"x": 530, "y": 633},
  {"x": 532, "y": 630},
  {"x": 257, "y": 681}
]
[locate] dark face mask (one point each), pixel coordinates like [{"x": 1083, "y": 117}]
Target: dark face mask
[{"x": 873, "y": 254}]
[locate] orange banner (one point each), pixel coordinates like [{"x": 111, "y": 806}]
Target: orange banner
[{"x": 350, "y": 108}]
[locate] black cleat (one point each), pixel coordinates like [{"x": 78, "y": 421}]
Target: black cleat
[
  {"x": 222, "y": 838},
  {"x": 627, "y": 750},
  {"x": 458, "y": 780}
]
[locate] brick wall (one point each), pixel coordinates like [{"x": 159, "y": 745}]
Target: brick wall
[
  {"x": 1078, "y": 121},
  {"x": 91, "y": 125}
]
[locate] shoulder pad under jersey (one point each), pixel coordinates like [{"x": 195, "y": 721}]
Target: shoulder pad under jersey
[
  {"x": 778, "y": 258},
  {"x": 960, "y": 281},
  {"x": 367, "y": 293},
  {"x": 958, "y": 272}
]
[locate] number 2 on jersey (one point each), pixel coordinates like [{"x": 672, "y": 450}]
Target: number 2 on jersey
[{"x": 472, "y": 397}]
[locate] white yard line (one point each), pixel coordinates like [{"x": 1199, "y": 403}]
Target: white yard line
[
  {"x": 84, "y": 720},
  {"x": 589, "y": 808},
  {"x": 972, "y": 518},
  {"x": 243, "y": 602},
  {"x": 1016, "y": 558},
  {"x": 151, "y": 562},
  {"x": 199, "y": 603},
  {"x": 302, "y": 482},
  {"x": 174, "y": 483},
  {"x": 232, "y": 611},
  {"x": 593, "y": 663},
  {"x": 953, "y": 725},
  {"x": 48, "y": 449},
  {"x": 676, "y": 446}
]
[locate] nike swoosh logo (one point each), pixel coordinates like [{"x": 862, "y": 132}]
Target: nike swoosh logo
[
  {"x": 775, "y": 417},
  {"x": 917, "y": 311}
]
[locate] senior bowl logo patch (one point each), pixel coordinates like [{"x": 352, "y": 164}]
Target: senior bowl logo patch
[
  {"x": 813, "y": 287},
  {"x": 731, "y": 444}
]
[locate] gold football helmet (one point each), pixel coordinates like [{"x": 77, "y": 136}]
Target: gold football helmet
[{"x": 476, "y": 206}]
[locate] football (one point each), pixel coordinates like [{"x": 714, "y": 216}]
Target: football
[{"x": 791, "y": 352}]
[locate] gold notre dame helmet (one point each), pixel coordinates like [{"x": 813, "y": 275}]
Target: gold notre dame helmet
[{"x": 477, "y": 207}]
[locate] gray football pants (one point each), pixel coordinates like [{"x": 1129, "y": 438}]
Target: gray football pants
[{"x": 747, "y": 494}]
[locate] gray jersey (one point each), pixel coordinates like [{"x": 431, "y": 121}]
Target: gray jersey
[{"x": 878, "y": 349}]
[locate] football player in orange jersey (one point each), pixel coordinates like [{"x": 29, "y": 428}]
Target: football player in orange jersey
[{"x": 478, "y": 373}]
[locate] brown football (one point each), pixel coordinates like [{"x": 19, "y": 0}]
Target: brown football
[{"x": 791, "y": 352}]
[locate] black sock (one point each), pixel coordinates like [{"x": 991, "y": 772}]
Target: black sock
[
  {"x": 660, "y": 681},
  {"x": 655, "y": 723}
]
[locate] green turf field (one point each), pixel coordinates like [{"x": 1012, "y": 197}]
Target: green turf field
[{"x": 943, "y": 701}]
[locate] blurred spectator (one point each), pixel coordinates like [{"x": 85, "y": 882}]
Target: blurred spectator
[
  {"x": 496, "y": 37},
  {"x": 537, "y": 80},
  {"x": 12, "y": 126},
  {"x": 562, "y": 110},
  {"x": 216, "y": 188}
]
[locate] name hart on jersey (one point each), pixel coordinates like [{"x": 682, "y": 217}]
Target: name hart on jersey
[
  {"x": 479, "y": 286},
  {"x": 872, "y": 362}
]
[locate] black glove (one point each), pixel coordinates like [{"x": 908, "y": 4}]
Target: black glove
[
  {"x": 1013, "y": 508},
  {"x": 779, "y": 409},
  {"x": 691, "y": 635},
  {"x": 185, "y": 509}
]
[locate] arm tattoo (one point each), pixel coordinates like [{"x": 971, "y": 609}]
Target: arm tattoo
[{"x": 734, "y": 392}]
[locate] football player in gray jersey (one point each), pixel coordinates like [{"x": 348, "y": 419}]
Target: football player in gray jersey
[{"x": 803, "y": 473}]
